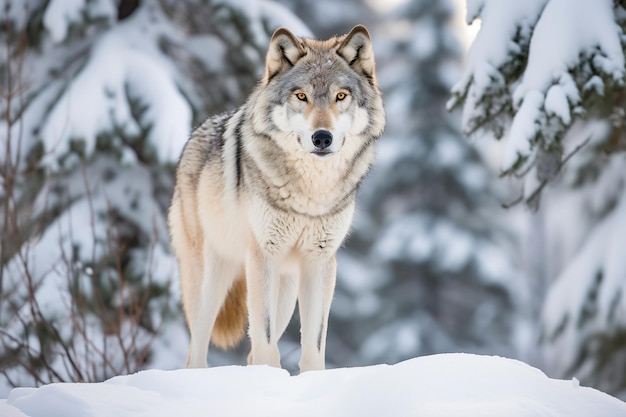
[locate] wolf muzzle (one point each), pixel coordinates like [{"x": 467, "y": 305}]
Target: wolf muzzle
[{"x": 322, "y": 139}]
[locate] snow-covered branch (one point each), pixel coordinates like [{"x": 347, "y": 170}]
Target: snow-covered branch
[{"x": 537, "y": 66}]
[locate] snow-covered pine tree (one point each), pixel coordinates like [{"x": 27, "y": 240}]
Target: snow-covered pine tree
[
  {"x": 98, "y": 99},
  {"x": 424, "y": 270},
  {"x": 547, "y": 78}
]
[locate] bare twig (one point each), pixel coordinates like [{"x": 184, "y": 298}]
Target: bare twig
[{"x": 537, "y": 192}]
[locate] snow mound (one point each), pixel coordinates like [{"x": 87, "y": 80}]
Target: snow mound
[{"x": 440, "y": 385}]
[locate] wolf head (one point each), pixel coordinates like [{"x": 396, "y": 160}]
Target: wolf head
[{"x": 322, "y": 95}]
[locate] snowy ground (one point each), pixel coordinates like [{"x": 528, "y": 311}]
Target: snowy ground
[{"x": 434, "y": 386}]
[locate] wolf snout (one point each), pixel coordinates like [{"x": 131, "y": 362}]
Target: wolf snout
[{"x": 322, "y": 139}]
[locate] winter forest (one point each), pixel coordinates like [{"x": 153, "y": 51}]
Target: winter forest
[{"x": 493, "y": 222}]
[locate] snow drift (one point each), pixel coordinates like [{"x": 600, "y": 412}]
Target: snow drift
[{"x": 441, "y": 385}]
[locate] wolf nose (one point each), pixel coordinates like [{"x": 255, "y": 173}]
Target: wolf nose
[{"x": 322, "y": 139}]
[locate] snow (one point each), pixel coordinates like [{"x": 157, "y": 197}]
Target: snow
[
  {"x": 424, "y": 38},
  {"x": 277, "y": 15},
  {"x": 523, "y": 130},
  {"x": 588, "y": 25},
  {"x": 59, "y": 15},
  {"x": 124, "y": 64},
  {"x": 557, "y": 104},
  {"x": 449, "y": 152},
  {"x": 474, "y": 8},
  {"x": 473, "y": 176},
  {"x": 488, "y": 54},
  {"x": 439, "y": 386},
  {"x": 398, "y": 340},
  {"x": 494, "y": 267},
  {"x": 456, "y": 246}
]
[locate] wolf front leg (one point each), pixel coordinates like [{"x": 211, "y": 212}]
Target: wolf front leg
[
  {"x": 263, "y": 289},
  {"x": 316, "y": 292}
]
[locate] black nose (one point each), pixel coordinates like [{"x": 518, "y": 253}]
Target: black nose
[{"x": 322, "y": 139}]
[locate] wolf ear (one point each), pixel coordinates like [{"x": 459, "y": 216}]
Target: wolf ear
[
  {"x": 357, "y": 50},
  {"x": 284, "y": 51}
]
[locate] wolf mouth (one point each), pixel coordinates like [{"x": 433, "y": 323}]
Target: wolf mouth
[{"x": 322, "y": 154}]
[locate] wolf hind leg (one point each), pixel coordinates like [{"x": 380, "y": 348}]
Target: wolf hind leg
[{"x": 217, "y": 279}]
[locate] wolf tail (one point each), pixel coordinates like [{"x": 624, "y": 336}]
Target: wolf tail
[{"x": 230, "y": 324}]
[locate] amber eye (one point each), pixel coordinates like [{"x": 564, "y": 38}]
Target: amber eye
[
  {"x": 341, "y": 96},
  {"x": 301, "y": 96}
]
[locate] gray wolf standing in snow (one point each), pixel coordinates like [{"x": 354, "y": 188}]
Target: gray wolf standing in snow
[{"x": 265, "y": 195}]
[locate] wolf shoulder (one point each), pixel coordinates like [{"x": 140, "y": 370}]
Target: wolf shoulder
[{"x": 204, "y": 147}]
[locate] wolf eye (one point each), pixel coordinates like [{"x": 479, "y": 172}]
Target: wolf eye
[
  {"x": 341, "y": 96},
  {"x": 301, "y": 96}
]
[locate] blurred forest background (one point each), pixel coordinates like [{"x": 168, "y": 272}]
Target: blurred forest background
[{"x": 99, "y": 96}]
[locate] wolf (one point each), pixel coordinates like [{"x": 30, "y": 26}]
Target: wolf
[{"x": 264, "y": 197}]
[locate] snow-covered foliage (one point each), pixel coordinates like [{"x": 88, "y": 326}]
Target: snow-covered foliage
[
  {"x": 594, "y": 280},
  {"x": 118, "y": 64},
  {"x": 534, "y": 68},
  {"x": 584, "y": 317},
  {"x": 444, "y": 385},
  {"x": 547, "y": 78}
]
